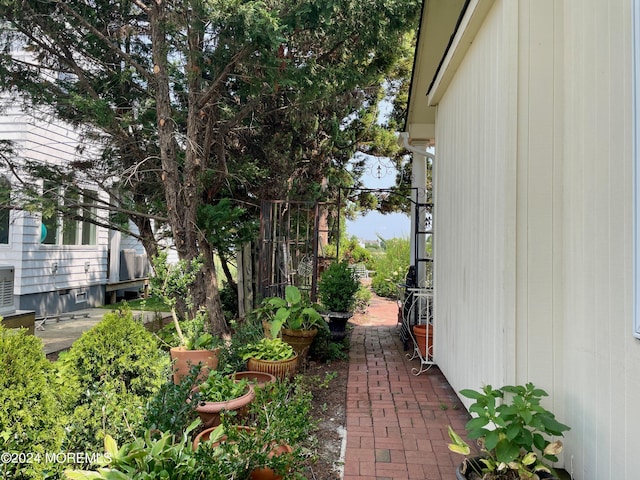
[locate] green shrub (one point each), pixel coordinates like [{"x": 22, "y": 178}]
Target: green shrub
[
  {"x": 110, "y": 372},
  {"x": 168, "y": 409},
  {"x": 337, "y": 287},
  {"x": 391, "y": 268},
  {"x": 245, "y": 332},
  {"x": 324, "y": 349},
  {"x": 30, "y": 418},
  {"x": 363, "y": 299}
]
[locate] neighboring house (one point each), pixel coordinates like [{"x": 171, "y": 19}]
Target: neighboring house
[
  {"x": 529, "y": 105},
  {"x": 57, "y": 266}
]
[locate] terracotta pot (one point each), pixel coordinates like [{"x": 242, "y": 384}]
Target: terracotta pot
[
  {"x": 279, "y": 368},
  {"x": 264, "y": 473},
  {"x": 256, "y": 379},
  {"x": 183, "y": 360},
  {"x": 300, "y": 340},
  {"x": 424, "y": 340},
  {"x": 210, "y": 411}
]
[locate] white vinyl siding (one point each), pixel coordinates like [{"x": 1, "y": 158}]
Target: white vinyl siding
[{"x": 33, "y": 259}]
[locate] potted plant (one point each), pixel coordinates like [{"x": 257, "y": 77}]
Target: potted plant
[
  {"x": 337, "y": 289},
  {"x": 294, "y": 318},
  {"x": 193, "y": 345},
  {"x": 271, "y": 355},
  {"x": 216, "y": 437},
  {"x": 219, "y": 393},
  {"x": 512, "y": 429}
]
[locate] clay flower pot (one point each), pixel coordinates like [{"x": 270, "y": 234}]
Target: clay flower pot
[
  {"x": 278, "y": 368},
  {"x": 183, "y": 360},
  {"x": 263, "y": 473},
  {"x": 256, "y": 379},
  {"x": 300, "y": 340},
  {"x": 424, "y": 339},
  {"x": 209, "y": 412}
]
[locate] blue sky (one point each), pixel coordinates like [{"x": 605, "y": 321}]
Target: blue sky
[{"x": 392, "y": 225}]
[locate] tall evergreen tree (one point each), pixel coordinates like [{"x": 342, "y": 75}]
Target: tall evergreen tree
[{"x": 181, "y": 101}]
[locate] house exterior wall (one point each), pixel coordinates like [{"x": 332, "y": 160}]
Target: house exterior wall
[
  {"x": 37, "y": 287},
  {"x": 475, "y": 230},
  {"x": 534, "y": 221},
  {"x": 602, "y": 383}
]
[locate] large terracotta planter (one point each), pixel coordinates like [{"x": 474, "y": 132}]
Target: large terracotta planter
[
  {"x": 279, "y": 368},
  {"x": 256, "y": 379},
  {"x": 209, "y": 412},
  {"x": 300, "y": 340},
  {"x": 264, "y": 473},
  {"x": 183, "y": 360},
  {"x": 424, "y": 339}
]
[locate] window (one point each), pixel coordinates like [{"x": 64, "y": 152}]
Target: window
[
  {"x": 88, "y": 236},
  {"x": 75, "y": 228},
  {"x": 50, "y": 220}
]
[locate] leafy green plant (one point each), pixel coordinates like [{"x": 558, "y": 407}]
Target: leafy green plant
[
  {"x": 280, "y": 415},
  {"x": 391, "y": 267},
  {"x": 337, "y": 287},
  {"x": 220, "y": 388},
  {"x": 511, "y": 428},
  {"x": 144, "y": 458},
  {"x": 325, "y": 349},
  {"x": 169, "y": 409},
  {"x": 293, "y": 311},
  {"x": 244, "y": 332},
  {"x": 363, "y": 299},
  {"x": 171, "y": 283},
  {"x": 30, "y": 417},
  {"x": 108, "y": 374},
  {"x": 272, "y": 349}
]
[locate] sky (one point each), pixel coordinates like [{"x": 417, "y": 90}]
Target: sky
[{"x": 375, "y": 224}]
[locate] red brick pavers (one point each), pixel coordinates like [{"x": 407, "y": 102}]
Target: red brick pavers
[{"x": 396, "y": 422}]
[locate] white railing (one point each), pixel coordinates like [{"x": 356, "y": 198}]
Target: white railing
[{"x": 416, "y": 309}]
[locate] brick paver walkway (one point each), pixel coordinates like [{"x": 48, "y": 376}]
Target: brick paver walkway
[{"x": 396, "y": 422}]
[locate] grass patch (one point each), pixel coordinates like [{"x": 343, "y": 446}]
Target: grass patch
[{"x": 151, "y": 304}]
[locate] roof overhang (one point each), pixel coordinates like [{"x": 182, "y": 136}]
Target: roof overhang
[{"x": 438, "y": 25}]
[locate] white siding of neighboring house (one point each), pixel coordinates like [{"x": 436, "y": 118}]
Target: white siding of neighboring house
[
  {"x": 534, "y": 221},
  {"x": 33, "y": 260}
]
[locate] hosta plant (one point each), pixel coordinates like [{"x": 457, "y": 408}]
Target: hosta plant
[
  {"x": 513, "y": 433},
  {"x": 272, "y": 349}
]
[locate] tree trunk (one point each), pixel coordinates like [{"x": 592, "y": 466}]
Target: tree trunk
[{"x": 181, "y": 178}]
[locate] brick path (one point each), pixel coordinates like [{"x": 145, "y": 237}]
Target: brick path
[{"x": 396, "y": 422}]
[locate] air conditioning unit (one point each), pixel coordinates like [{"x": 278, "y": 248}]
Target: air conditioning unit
[{"x": 7, "y": 302}]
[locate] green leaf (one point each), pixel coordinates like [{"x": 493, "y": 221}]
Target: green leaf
[
  {"x": 110, "y": 446},
  {"x": 476, "y": 423},
  {"x": 292, "y": 295},
  {"x": 506, "y": 451},
  {"x": 491, "y": 440},
  {"x": 472, "y": 394},
  {"x": 81, "y": 475},
  {"x": 458, "y": 445}
]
